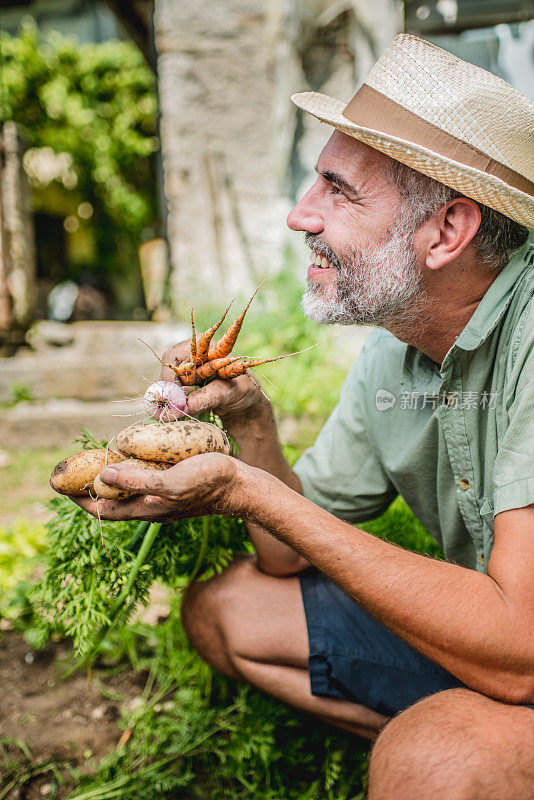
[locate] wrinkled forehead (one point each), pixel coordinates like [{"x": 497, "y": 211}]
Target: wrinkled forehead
[{"x": 356, "y": 161}]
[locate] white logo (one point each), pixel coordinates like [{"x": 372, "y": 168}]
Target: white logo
[{"x": 384, "y": 400}]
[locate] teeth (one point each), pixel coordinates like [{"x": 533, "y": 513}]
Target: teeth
[{"x": 320, "y": 261}]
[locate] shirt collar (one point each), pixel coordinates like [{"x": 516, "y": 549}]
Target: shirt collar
[
  {"x": 417, "y": 365},
  {"x": 497, "y": 298}
]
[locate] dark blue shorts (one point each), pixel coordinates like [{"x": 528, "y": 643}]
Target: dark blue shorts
[{"x": 353, "y": 657}]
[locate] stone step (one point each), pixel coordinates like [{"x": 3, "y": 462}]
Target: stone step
[
  {"x": 104, "y": 361},
  {"x": 57, "y": 422}
]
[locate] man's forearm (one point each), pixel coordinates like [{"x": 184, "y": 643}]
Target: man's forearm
[
  {"x": 256, "y": 437},
  {"x": 455, "y": 616}
]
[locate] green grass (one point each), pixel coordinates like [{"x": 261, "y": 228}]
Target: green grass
[
  {"x": 19, "y": 769},
  {"x": 20, "y": 545},
  {"x": 24, "y": 483},
  {"x": 198, "y": 735},
  {"x": 20, "y": 393}
]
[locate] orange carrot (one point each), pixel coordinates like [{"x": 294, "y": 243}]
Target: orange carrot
[
  {"x": 185, "y": 370},
  {"x": 209, "y": 369},
  {"x": 193, "y": 355},
  {"x": 225, "y": 344},
  {"x": 203, "y": 344},
  {"x": 240, "y": 365},
  {"x": 187, "y": 373}
]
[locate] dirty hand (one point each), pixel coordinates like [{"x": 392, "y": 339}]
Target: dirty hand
[
  {"x": 229, "y": 399},
  {"x": 200, "y": 485}
]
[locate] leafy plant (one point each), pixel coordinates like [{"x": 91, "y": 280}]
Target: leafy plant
[
  {"x": 86, "y": 569},
  {"x": 18, "y": 769},
  {"x": 197, "y": 734},
  {"x": 88, "y": 116},
  {"x": 20, "y": 545},
  {"x": 20, "y": 393}
]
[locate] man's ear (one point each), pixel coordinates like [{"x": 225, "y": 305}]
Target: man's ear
[{"x": 451, "y": 230}]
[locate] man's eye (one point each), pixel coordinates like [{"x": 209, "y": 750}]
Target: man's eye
[{"x": 336, "y": 189}]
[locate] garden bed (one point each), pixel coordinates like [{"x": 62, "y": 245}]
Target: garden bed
[{"x": 61, "y": 722}]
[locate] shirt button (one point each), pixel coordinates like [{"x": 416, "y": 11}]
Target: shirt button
[
  {"x": 464, "y": 484},
  {"x": 481, "y": 558}
]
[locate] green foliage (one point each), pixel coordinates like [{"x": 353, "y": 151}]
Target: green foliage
[
  {"x": 85, "y": 568},
  {"x": 19, "y": 770},
  {"x": 97, "y": 104},
  {"x": 20, "y": 393},
  {"x": 199, "y": 735},
  {"x": 87, "y": 441},
  {"x": 20, "y": 545}
]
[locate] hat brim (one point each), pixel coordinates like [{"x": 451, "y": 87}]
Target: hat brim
[{"x": 478, "y": 185}]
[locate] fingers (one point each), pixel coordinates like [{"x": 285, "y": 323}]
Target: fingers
[
  {"x": 133, "y": 479},
  {"x": 179, "y": 352},
  {"x": 224, "y": 396},
  {"x": 168, "y": 375},
  {"x": 147, "y": 508},
  {"x": 196, "y": 486},
  {"x": 209, "y": 397}
]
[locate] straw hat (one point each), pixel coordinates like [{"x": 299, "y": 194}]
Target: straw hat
[{"x": 446, "y": 118}]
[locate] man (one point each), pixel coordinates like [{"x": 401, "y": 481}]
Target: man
[{"x": 438, "y": 408}]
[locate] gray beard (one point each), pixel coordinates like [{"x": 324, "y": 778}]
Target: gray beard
[{"x": 381, "y": 286}]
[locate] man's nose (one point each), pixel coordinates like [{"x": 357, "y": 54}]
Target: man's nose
[{"x": 305, "y": 216}]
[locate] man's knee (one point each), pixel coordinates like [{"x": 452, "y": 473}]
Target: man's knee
[
  {"x": 207, "y": 612},
  {"x": 197, "y": 611},
  {"x": 451, "y": 745},
  {"x": 424, "y": 752}
]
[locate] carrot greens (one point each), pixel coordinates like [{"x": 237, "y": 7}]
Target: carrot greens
[{"x": 80, "y": 593}]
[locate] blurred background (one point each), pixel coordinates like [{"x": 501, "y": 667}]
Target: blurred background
[{"x": 149, "y": 154}]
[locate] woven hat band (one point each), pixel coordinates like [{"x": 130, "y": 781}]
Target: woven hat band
[{"x": 372, "y": 109}]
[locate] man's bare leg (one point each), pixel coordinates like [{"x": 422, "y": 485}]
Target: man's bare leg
[
  {"x": 457, "y": 745},
  {"x": 252, "y": 627}
]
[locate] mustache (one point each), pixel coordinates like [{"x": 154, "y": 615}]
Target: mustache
[{"x": 318, "y": 245}]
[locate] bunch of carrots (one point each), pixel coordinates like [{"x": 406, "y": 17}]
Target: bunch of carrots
[{"x": 208, "y": 359}]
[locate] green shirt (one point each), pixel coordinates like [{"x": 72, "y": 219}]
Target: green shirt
[{"x": 456, "y": 441}]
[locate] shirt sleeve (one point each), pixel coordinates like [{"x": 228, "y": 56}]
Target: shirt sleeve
[
  {"x": 341, "y": 472},
  {"x": 513, "y": 475}
]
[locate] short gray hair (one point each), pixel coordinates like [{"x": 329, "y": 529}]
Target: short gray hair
[{"x": 497, "y": 236}]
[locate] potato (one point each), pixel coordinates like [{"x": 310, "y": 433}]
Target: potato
[
  {"x": 75, "y": 475},
  {"x": 172, "y": 441},
  {"x": 112, "y": 492}
]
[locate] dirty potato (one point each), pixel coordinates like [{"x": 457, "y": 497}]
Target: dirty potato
[
  {"x": 172, "y": 442},
  {"x": 75, "y": 475}
]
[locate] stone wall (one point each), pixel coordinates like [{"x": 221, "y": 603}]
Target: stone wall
[{"x": 234, "y": 149}]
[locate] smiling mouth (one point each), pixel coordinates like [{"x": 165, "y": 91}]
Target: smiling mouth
[{"x": 320, "y": 262}]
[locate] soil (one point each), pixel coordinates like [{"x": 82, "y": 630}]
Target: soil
[{"x": 60, "y": 720}]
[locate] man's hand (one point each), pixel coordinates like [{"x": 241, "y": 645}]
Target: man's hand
[
  {"x": 231, "y": 400},
  {"x": 204, "y": 484},
  {"x": 248, "y": 417}
]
